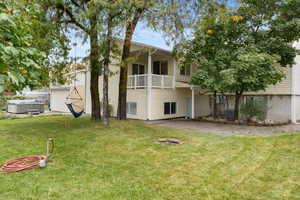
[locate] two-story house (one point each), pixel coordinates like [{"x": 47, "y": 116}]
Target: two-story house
[{"x": 158, "y": 89}]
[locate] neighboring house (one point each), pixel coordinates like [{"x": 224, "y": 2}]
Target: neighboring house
[{"x": 158, "y": 89}]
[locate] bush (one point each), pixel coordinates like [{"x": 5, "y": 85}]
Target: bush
[{"x": 254, "y": 107}]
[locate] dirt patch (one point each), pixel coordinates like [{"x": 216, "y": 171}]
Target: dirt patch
[{"x": 169, "y": 141}]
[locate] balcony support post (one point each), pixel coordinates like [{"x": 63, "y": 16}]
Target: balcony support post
[
  {"x": 149, "y": 85},
  {"x": 174, "y": 73},
  {"x": 193, "y": 102},
  {"x": 135, "y": 81}
]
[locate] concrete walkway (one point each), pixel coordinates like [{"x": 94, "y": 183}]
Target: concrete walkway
[{"x": 226, "y": 129}]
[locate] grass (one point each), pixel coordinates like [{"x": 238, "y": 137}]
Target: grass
[{"x": 123, "y": 162}]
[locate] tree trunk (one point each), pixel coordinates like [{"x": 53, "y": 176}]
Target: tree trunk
[
  {"x": 106, "y": 73},
  {"x": 238, "y": 96},
  {"x": 215, "y": 107},
  {"x": 122, "y": 99},
  {"x": 95, "y": 69}
]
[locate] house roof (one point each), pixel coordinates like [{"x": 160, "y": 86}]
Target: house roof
[{"x": 150, "y": 46}]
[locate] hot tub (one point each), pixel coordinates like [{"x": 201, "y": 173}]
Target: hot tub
[{"x": 24, "y": 106}]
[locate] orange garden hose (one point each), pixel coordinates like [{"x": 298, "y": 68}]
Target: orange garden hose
[
  {"x": 20, "y": 164},
  {"x": 27, "y": 162}
]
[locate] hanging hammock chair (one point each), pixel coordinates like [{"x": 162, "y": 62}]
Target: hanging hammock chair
[{"x": 75, "y": 103}]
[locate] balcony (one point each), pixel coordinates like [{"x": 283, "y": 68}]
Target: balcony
[{"x": 156, "y": 81}]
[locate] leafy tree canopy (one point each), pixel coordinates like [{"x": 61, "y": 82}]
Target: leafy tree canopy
[
  {"x": 24, "y": 49},
  {"x": 244, "y": 49}
]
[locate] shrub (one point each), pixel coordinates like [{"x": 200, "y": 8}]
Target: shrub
[{"x": 254, "y": 107}]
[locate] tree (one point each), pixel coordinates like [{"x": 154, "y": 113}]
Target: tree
[
  {"x": 24, "y": 61},
  {"x": 114, "y": 16},
  {"x": 264, "y": 46},
  {"x": 84, "y": 16},
  {"x": 167, "y": 16},
  {"x": 250, "y": 46},
  {"x": 133, "y": 14},
  {"x": 203, "y": 53}
]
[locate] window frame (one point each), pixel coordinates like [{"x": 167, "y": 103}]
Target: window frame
[
  {"x": 172, "y": 108},
  {"x": 129, "y": 108},
  {"x": 138, "y": 69},
  {"x": 186, "y": 70},
  {"x": 160, "y": 67}
]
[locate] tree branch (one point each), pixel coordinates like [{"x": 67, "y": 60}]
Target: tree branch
[
  {"x": 71, "y": 16},
  {"x": 75, "y": 3}
]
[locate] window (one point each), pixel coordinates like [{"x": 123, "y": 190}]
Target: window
[
  {"x": 138, "y": 69},
  {"x": 185, "y": 70},
  {"x": 169, "y": 108},
  {"x": 131, "y": 108},
  {"x": 160, "y": 67}
]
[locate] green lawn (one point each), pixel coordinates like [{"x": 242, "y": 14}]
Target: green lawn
[{"x": 124, "y": 162}]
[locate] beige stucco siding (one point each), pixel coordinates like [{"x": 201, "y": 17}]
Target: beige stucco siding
[
  {"x": 159, "y": 96},
  {"x": 279, "y": 108},
  {"x": 296, "y": 76},
  {"x": 297, "y": 108},
  {"x": 138, "y": 95},
  {"x": 282, "y": 88},
  {"x": 202, "y": 107}
]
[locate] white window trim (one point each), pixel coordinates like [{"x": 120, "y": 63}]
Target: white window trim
[
  {"x": 129, "y": 107},
  {"x": 139, "y": 64},
  {"x": 170, "y": 102},
  {"x": 160, "y": 69},
  {"x": 185, "y": 70}
]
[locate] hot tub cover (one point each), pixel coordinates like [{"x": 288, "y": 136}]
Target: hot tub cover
[{"x": 24, "y": 102}]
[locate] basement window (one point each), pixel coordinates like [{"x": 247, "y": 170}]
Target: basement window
[
  {"x": 131, "y": 108},
  {"x": 169, "y": 108}
]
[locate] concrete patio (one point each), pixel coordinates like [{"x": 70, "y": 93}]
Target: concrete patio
[{"x": 226, "y": 129}]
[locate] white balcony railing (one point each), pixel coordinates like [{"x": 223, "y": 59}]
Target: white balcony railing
[{"x": 158, "y": 81}]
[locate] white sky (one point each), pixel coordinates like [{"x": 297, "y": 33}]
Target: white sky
[{"x": 142, "y": 34}]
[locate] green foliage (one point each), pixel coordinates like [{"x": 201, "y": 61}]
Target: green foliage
[
  {"x": 244, "y": 49},
  {"x": 24, "y": 49},
  {"x": 254, "y": 107}
]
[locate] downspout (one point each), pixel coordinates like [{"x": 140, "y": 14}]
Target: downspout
[{"x": 293, "y": 93}]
